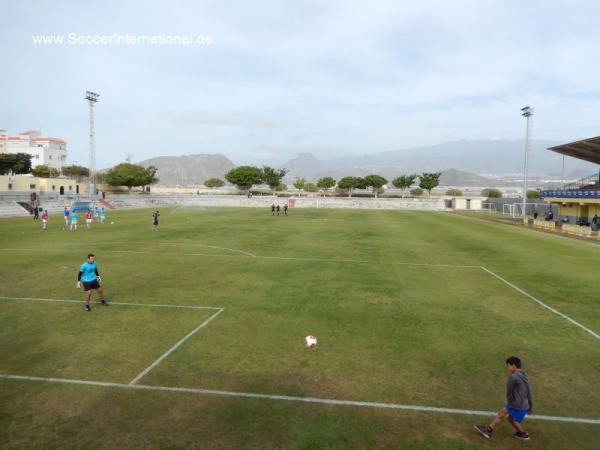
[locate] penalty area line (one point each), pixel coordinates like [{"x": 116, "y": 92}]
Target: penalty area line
[
  {"x": 325, "y": 401},
  {"x": 210, "y": 246},
  {"x": 243, "y": 254},
  {"x": 307, "y": 259},
  {"x": 144, "y": 372},
  {"x": 149, "y": 305},
  {"x": 541, "y": 303}
]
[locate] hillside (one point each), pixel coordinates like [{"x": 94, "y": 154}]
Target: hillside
[
  {"x": 454, "y": 177},
  {"x": 189, "y": 169},
  {"x": 492, "y": 156}
]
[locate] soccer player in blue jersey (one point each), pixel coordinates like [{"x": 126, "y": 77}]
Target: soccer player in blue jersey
[
  {"x": 89, "y": 276},
  {"x": 66, "y": 213},
  {"x": 73, "y": 220}
]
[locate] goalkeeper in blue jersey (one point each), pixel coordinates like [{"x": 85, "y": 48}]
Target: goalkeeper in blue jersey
[{"x": 89, "y": 276}]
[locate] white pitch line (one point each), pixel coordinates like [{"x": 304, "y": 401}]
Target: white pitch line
[
  {"x": 358, "y": 261},
  {"x": 210, "y": 246},
  {"x": 152, "y": 305},
  {"x": 280, "y": 258},
  {"x": 541, "y": 303},
  {"x": 291, "y": 258},
  {"x": 380, "y": 405},
  {"x": 172, "y": 349}
]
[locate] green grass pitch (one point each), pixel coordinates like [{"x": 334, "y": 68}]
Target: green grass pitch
[{"x": 402, "y": 309}]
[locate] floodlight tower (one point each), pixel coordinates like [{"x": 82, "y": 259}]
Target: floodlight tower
[
  {"x": 92, "y": 98},
  {"x": 526, "y": 112}
]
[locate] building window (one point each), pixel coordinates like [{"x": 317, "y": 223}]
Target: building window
[
  {"x": 50, "y": 157},
  {"x": 9, "y": 186},
  {"x": 37, "y": 156},
  {"x": 32, "y": 186},
  {"x": 40, "y": 145},
  {"x": 53, "y": 187},
  {"x": 70, "y": 188}
]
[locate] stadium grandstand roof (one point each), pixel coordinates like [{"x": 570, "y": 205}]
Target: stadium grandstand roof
[{"x": 587, "y": 149}]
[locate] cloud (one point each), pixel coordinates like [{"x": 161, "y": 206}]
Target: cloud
[
  {"x": 285, "y": 77},
  {"x": 222, "y": 119}
]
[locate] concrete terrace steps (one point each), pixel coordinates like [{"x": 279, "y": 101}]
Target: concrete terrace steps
[
  {"x": 55, "y": 206},
  {"x": 129, "y": 202},
  {"x": 12, "y": 209}
]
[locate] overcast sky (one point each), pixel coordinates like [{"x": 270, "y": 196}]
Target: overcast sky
[{"x": 283, "y": 77}]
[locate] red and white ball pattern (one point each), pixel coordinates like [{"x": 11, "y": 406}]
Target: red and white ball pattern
[{"x": 310, "y": 341}]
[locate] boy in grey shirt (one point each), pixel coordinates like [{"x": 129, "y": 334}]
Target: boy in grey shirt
[{"x": 518, "y": 402}]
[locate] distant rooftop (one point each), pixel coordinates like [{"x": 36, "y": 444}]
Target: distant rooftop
[{"x": 587, "y": 149}]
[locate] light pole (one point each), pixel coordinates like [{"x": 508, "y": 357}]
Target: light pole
[
  {"x": 526, "y": 112},
  {"x": 92, "y": 98}
]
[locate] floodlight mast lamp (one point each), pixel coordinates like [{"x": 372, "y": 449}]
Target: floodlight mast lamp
[
  {"x": 526, "y": 112},
  {"x": 92, "y": 98}
]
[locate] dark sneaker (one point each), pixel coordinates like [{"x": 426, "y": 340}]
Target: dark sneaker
[
  {"x": 103, "y": 302},
  {"x": 483, "y": 430},
  {"x": 88, "y": 308},
  {"x": 522, "y": 436}
]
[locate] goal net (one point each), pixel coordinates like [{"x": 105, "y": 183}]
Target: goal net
[
  {"x": 489, "y": 207},
  {"x": 516, "y": 209}
]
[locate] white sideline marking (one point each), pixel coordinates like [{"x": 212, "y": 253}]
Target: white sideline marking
[
  {"x": 467, "y": 412},
  {"x": 172, "y": 349},
  {"x": 153, "y": 305},
  {"x": 209, "y": 246},
  {"x": 541, "y": 303}
]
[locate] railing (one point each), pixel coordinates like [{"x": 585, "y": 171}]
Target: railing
[
  {"x": 25, "y": 196},
  {"x": 591, "y": 179},
  {"x": 570, "y": 194}
]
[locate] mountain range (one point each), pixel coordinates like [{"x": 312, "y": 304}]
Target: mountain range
[
  {"x": 189, "y": 169},
  {"x": 485, "y": 157},
  {"x": 462, "y": 163}
]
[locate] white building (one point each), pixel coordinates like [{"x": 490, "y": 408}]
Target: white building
[{"x": 48, "y": 151}]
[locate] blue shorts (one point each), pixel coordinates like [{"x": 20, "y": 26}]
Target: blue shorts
[{"x": 517, "y": 414}]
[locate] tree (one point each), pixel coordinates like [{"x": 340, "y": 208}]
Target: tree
[
  {"x": 404, "y": 181},
  {"x": 131, "y": 175},
  {"x": 77, "y": 172},
  {"x": 533, "y": 194},
  {"x": 416, "y": 192},
  {"x": 214, "y": 183},
  {"x": 310, "y": 187},
  {"x": 454, "y": 192},
  {"x": 349, "y": 184},
  {"x": 18, "y": 163},
  {"x": 272, "y": 177},
  {"x": 45, "y": 172},
  {"x": 491, "y": 193},
  {"x": 429, "y": 180},
  {"x": 299, "y": 183},
  {"x": 361, "y": 183},
  {"x": 244, "y": 177},
  {"x": 376, "y": 182},
  {"x": 326, "y": 183}
]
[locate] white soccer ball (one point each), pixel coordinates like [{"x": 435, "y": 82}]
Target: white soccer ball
[{"x": 310, "y": 341}]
